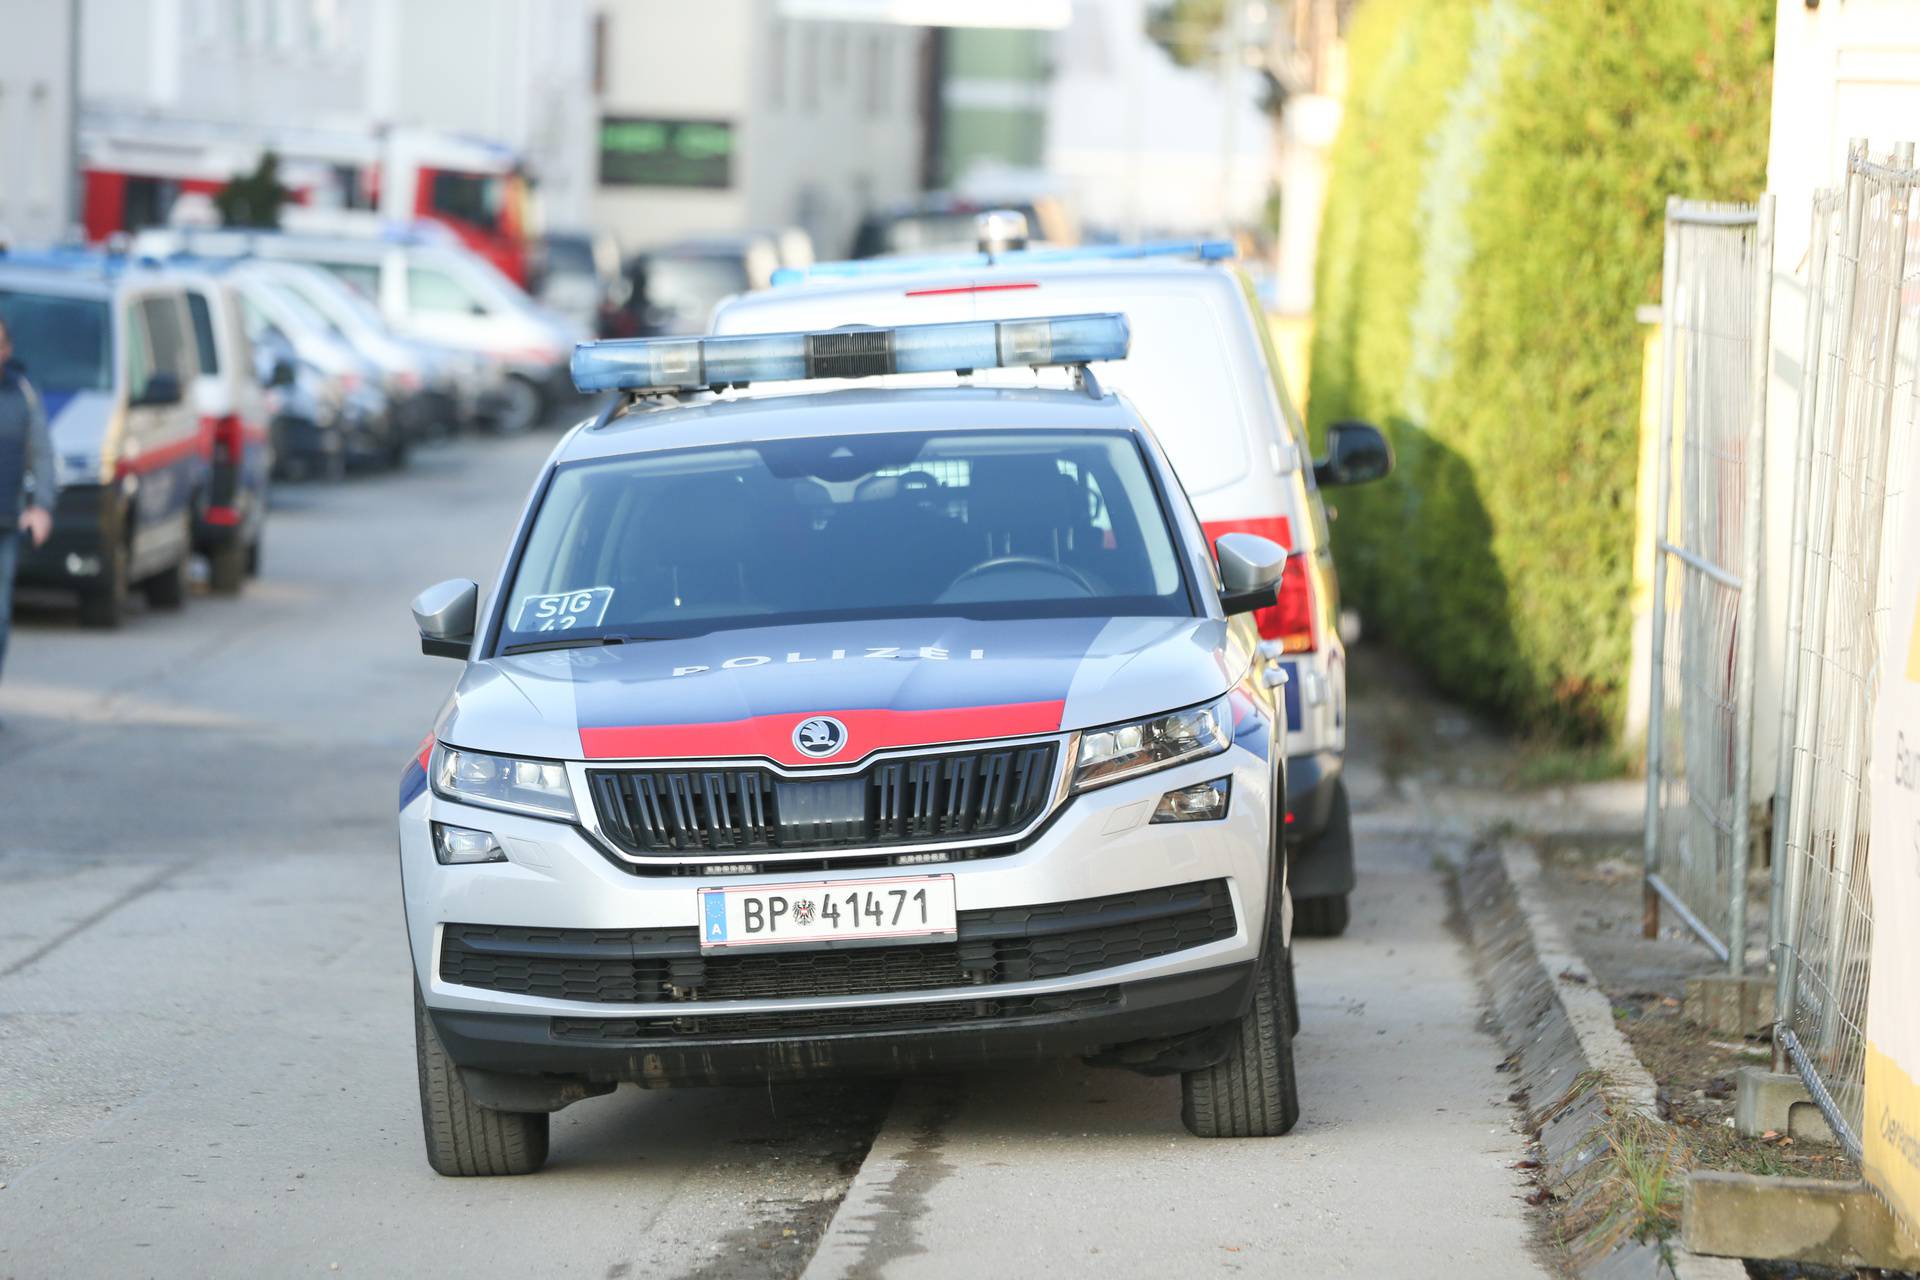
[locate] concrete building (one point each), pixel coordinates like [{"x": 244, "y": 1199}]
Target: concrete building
[
  {"x": 730, "y": 115},
  {"x": 37, "y": 87}
]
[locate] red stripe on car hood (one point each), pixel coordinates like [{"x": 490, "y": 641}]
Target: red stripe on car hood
[{"x": 868, "y": 730}]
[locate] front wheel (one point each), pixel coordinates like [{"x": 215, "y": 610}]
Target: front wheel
[
  {"x": 464, "y": 1139},
  {"x": 519, "y": 407},
  {"x": 227, "y": 567},
  {"x": 1321, "y": 917},
  {"x": 1251, "y": 1092}
]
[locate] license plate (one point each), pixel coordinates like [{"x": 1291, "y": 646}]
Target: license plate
[{"x": 829, "y": 912}]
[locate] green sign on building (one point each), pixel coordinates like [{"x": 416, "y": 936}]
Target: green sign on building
[{"x": 643, "y": 152}]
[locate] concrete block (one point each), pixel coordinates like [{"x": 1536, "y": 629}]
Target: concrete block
[
  {"x": 1767, "y": 1103},
  {"x": 1730, "y": 1006},
  {"x": 1805, "y": 1220}
]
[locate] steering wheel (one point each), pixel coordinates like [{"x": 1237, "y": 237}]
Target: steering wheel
[{"x": 1001, "y": 563}]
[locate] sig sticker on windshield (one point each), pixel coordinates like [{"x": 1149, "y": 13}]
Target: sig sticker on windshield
[{"x": 563, "y": 611}]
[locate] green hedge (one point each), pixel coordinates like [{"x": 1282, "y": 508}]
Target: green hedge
[{"x": 1493, "y": 220}]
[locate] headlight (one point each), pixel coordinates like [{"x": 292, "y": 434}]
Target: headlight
[
  {"x": 501, "y": 782},
  {"x": 458, "y": 845},
  {"x": 1125, "y": 750}
]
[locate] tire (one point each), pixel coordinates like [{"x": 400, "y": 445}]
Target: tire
[
  {"x": 253, "y": 558},
  {"x": 104, "y": 604},
  {"x": 1250, "y": 1093},
  {"x": 521, "y": 408},
  {"x": 1291, "y": 995},
  {"x": 227, "y": 567},
  {"x": 465, "y": 1140},
  {"x": 1320, "y": 917},
  {"x": 168, "y": 588}
]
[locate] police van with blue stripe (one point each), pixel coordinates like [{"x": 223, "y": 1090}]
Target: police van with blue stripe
[{"x": 817, "y": 727}]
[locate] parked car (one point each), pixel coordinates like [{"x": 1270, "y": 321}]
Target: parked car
[
  {"x": 419, "y": 380},
  {"x": 230, "y": 521},
  {"x": 848, "y": 730},
  {"x": 371, "y": 431},
  {"x": 941, "y": 222},
  {"x": 578, "y": 276},
  {"x": 111, "y": 349},
  {"x": 431, "y": 290},
  {"x": 674, "y": 288},
  {"x": 1204, "y": 374}
]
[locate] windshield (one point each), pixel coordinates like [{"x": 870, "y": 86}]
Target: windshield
[
  {"x": 1003, "y": 524},
  {"x": 62, "y": 342},
  {"x": 691, "y": 286},
  {"x": 343, "y": 307}
]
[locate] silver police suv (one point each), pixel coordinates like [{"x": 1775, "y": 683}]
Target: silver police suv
[{"x": 812, "y": 728}]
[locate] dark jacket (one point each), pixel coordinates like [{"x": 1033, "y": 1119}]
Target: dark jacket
[{"x": 26, "y": 450}]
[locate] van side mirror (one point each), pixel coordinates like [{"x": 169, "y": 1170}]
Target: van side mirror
[
  {"x": 1250, "y": 569},
  {"x": 163, "y": 388},
  {"x": 1357, "y": 453},
  {"x": 445, "y": 614}
]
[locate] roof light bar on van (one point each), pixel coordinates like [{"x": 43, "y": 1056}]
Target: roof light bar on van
[
  {"x": 1200, "y": 250},
  {"x": 689, "y": 364}
]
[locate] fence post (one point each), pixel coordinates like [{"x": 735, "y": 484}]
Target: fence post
[
  {"x": 1669, "y": 286},
  {"x": 1748, "y": 611}
]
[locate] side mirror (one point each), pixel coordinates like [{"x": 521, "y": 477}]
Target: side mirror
[
  {"x": 1357, "y": 453},
  {"x": 283, "y": 373},
  {"x": 1250, "y": 569},
  {"x": 445, "y": 614},
  {"x": 163, "y": 388}
]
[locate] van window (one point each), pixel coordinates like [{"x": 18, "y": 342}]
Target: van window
[
  {"x": 203, "y": 332},
  {"x": 363, "y": 276},
  {"x": 1276, "y": 371},
  {"x": 139, "y": 351},
  {"x": 63, "y": 342},
  {"x": 164, "y": 332},
  {"x": 1179, "y": 377},
  {"x": 436, "y": 291}
]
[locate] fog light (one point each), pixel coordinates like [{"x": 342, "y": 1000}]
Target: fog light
[
  {"x": 1199, "y": 803},
  {"x": 453, "y": 845},
  {"x": 80, "y": 566}
]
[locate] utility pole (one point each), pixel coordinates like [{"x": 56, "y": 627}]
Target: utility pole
[{"x": 1232, "y": 72}]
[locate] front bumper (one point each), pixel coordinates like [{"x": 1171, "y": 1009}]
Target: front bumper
[
  {"x": 1097, "y": 845},
  {"x": 87, "y": 520},
  {"x": 1158, "y": 1024}
]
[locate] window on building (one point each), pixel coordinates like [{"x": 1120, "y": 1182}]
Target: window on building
[
  {"x": 810, "y": 67},
  {"x": 877, "y": 53},
  {"x": 777, "y": 64},
  {"x": 40, "y": 140}
]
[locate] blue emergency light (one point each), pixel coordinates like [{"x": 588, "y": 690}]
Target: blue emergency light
[
  {"x": 1200, "y": 250},
  {"x": 688, "y": 364}
]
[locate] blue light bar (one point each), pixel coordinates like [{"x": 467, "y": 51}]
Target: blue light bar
[
  {"x": 688, "y": 364},
  {"x": 1200, "y": 250}
]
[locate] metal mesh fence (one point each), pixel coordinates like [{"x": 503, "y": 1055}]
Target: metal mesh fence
[
  {"x": 1859, "y": 418},
  {"x": 1715, "y": 306}
]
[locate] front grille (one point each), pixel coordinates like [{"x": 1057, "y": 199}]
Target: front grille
[
  {"x": 962, "y": 795},
  {"x": 998, "y": 946},
  {"x": 894, "y": 1017}
]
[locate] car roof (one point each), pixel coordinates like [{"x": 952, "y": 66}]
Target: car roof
[
  {"x": 81, "y": 274},
  {"x": 911, "y": 279},
  {"x": 781, "y": 413}
]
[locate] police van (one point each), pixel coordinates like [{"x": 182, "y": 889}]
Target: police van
[
  {"x": 1203, "y": 371},
  {"x": 110, "y": 348},
  {"x": 819, "y": 727}
]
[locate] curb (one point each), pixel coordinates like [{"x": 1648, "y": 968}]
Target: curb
[
  {"x": 874, "y": 1222},
  {"x": 1575, "y": 1069}
]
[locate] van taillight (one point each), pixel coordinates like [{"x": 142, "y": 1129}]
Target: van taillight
[{"x": 1290, "y": 619}]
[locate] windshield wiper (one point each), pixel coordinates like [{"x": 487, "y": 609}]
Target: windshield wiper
[{"x": 575, "y": 642}]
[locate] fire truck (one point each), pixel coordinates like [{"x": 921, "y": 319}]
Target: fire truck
[{"x": 143, "y": 171}]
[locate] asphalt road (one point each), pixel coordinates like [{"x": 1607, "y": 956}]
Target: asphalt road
[{"x": 206, "y": 1061}]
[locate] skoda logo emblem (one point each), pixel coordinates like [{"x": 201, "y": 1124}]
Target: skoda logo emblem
[{"x": 819, "y": 737}]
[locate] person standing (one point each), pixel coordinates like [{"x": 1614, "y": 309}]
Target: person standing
[{"x": 25, "y": 451}]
